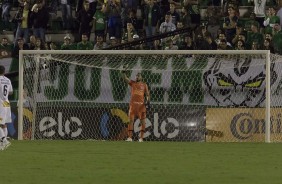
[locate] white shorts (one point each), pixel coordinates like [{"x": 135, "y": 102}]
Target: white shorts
[{"x": 5, "y": 115}]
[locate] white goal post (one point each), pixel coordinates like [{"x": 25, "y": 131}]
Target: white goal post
[{"x": 197, "y": 95}]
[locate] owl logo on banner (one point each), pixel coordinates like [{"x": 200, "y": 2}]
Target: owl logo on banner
[{"x": 237, "y": 82}]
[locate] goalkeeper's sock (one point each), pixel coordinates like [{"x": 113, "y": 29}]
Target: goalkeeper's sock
[
  {"x": 130, "y": 130},
  {"x": 142, "y": 130}
]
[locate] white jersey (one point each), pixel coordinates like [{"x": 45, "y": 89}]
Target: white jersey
[
  {"x": 259, "y": 8},
  {"x": 5, "y": 109},
  {"x": 5, "y": 89}
]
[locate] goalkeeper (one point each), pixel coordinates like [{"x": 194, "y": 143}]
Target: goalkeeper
[{"x": 137, "y": 105}]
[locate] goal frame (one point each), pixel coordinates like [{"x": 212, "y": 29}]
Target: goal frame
[{"x": 147, "y": 52}]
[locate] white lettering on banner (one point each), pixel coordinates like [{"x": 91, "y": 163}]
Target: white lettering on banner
[
  {"x": 163, "y": 127},
  {"x": 172, "y": 134},
  {"x": 247, "y": 89},
  {"x": 46, "y": 124},
  {"x": 165, "y": 76}
]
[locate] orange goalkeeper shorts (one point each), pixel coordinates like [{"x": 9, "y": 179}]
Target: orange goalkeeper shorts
[{"x": 137, "y": 111}]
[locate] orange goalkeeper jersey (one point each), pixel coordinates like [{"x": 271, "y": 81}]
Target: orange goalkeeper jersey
[{"x": 138, "y": 90}]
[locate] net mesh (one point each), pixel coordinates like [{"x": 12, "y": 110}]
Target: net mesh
[{"x": 194, "y": 97}]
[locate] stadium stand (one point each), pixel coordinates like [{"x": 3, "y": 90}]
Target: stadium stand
[{"x": 198, "y": 23}]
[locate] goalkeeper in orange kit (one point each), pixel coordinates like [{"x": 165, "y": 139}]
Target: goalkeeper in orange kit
[{"x": 138, "y": 103}]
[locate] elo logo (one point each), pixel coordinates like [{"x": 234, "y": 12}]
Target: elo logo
[
  {"x": 163, "y": 127},
  {"x": 47, "y": 123}
]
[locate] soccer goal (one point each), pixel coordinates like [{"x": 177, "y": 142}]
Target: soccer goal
[{"x": 208, "y": 96}]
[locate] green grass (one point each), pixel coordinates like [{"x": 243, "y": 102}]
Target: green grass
[{"x": 95, "y": 162}]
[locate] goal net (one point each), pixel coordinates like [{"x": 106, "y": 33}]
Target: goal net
[{"x": 212, "y": 96}]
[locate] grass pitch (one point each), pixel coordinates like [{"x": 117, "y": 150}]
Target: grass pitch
[{"x": 105, "y": 162}]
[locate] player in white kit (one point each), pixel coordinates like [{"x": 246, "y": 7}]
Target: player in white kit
[{"x": 6, "y": 89}]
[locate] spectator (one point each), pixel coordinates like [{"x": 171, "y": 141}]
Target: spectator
[
  {"x": 151, "y": 17},
  {"x": 194, "y": 11},
  {"x": 127, "y": 6},
  {"x": 52, "y": 46},
  {"x": 211, "y": 43},
  {"x": 175, "y": 17},
  {"x": 52, "y": 6},
  {"x": 268, "y": 36},
  {"x": 229, "y": 3},
  {"x": 85, "y": 18},
  {"x": 229, "y": 24},
  {"x": 239, "y": 31},
  {"x": 113, "y": 11},
  {"x": 39, "y": 45},
  {"x": 268, "y": 46},
  {"x": 223, "y": 45},
  {"x": 139, "y": 46},
  {"x": 276, "y": 27},
  {"x": 248, "y": 24},
  {"x": 179, "y": 37},
  {"x": 92, "y": 6},
  {"x": 277, "y": 38},
  {"x": 66, "y": 14},
  {"x": 259, "y": 10},
  {"x": 67, "y": 45},
  {"x": 186, "y": 43},
  {"x": 46, "y": 46},
  {"x": 5, "y": 45},
  {"x": 170, "y": 45},
  {"x": 221, "y": 36},
  {"x": 6, "y": 8},
  {"x": 133, "y": 19},
  {"x": 242, "y": 37},
  {"x": 271, "y": 19},
  {"x": 164, "y": 7},
  {"x": 20, "y": 45},
  {"x": 128, "y": 34},
  {"x": 201, "y": 43},
  {"x": 255, "y": 46},
  {"x": 157, "y": 45},
  {"x": 254, "y": 36},
  {"x": 100, "y": 44},
  {"x": 213, "y": 17},
  {"x": 185, "y": 17},
  {"x": 99, "y": 22},
  {"x": 40, "y": 18},
  {"x": 202, "y": 30},
  {"x": 32, "y": 42},
  {"x": 24, "y": 22},
  {"x": 113, "y": 41},
  {"x": 240, "y": 45},
  {"x": 79, "y": 6},
  {"x": 5, "y": 48},
  {"x": 84, "y": 44},
  {"x": 167, "y": 25}
]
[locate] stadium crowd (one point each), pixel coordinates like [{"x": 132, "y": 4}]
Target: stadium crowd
[{"x": 113, "y": 22}]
